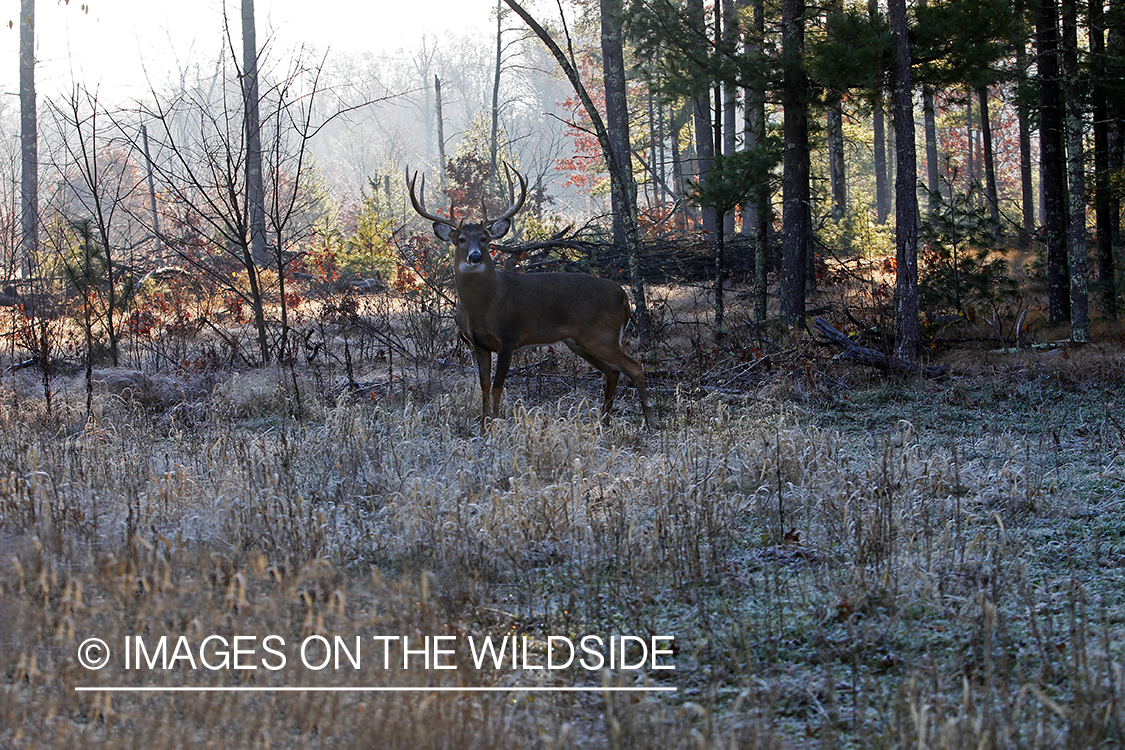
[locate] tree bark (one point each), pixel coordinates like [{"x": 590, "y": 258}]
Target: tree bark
[
  {"x": 440, "y": 132},
  {"x": 1076, "y": 172},
  {"x": 1103, "y": 222},
  {"x": 29, "y": 141},
  {"x": 878, "y": 127},
  {"x": 906, "y": 194},
  {"x": 255, "y": 192},
  {"x": 494, "y": 136},
  {"x": 990, "y": 192},
  {"x": 1027, "y": 186},
  {"x": 701, "y": 119},
  {"x": 730, "y": 98},
  {"x": 795, "y": 168},
  {"x": 756, "y": 213},
  {"x": 1052, "y": 172},
  {"x": 617, "y": 112}
]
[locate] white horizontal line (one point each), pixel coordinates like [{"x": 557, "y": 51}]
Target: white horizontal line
[{"x": 298, "y": 689}]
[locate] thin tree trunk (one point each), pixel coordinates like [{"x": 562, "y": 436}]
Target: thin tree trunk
[
  {"x": 1103, "y": 222},
  {"x": 757, "y": 212},
  {"x": 1076, "y": 170},
  {"x": 836, "y": 158},
  {"x": 1115, "y": 53},
  {"x": 795, "y": 168},
  {"x": 970, "y": 136},
  {"x": 878, "y": 126},
  {"x": 990, "y": 191},
  {"x": 255, "y": 255},
  {"x": 730, "y": 97},
  {"x": 617, "y": 111},
  {"x": 906, "y": 195},
  {"x": 1027, "y": 186},
  {"x": 701, "y": 118},
  {"x": 29, "y": 140},
  {"x": 440, "y": 132},
  {"x": 1052, "y": 171},
  {"x": 495, "y": 131}
]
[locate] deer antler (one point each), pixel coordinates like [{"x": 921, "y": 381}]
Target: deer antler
[
  {"x": 513, "y": 208},
  {"x": 450, "y": 222}
]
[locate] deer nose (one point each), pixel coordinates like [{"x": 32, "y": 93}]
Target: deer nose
[{"x": 475, "y": 255}]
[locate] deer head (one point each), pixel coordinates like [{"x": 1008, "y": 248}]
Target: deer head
[{"x": 471, "y": 241}]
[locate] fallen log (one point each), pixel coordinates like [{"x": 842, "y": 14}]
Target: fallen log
[{"x": 853, "y": 352}]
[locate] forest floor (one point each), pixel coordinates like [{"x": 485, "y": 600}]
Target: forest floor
[{"x": 827, "y": 556}]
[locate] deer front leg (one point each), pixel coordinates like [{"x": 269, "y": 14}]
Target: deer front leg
[
  {"x": 503, "y": 361},
  {"x": 483, "y": 358}
]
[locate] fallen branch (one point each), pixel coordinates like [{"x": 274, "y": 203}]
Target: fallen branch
[{"x": 853, "y": 352}]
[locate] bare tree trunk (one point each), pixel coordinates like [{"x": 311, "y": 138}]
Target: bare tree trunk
[
  {"x": 701, "y": 118},
  {"x": 495, "y": 133},
  {"x": 29, "y": 140},
  {"x": 930, "y": 124},
  {"x": 757, "y": 212},
  {"x": 730, "y": 97},
  {"x": 1076, "y": 169},
  {"x": 836, "y": 159},
  {"x": 878, "y": 125},
  {"x": 617, "y": 113},
  {"x": 990, "y": 191},
  {"x": 795, "y": 169},
  {"x": 256, "y": 255},
  {"x": 1027, "y": 186},
  {"x": 906, "y": 195},
  {"x": 1052, "y": 171},
  {"x": 152, "y": 196},
  {"x": 1102, "y": 188},
  {"x": 440, "y": 132},
  {"x": 970, "y": 137}
]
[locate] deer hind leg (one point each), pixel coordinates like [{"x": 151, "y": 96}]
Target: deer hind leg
[
  {"x": 612, "y": 375},
  {"x": 609, "y": 357}
]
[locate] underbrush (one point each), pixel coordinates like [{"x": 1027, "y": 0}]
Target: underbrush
[{"x": 842, "y": 560}]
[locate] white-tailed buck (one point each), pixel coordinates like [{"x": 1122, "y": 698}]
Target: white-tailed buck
[{"x": 500, "y": 311}]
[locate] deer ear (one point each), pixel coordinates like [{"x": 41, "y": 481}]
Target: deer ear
[
  {"x": 443, "y": 231},
  {"x": 499, "y": 228}
]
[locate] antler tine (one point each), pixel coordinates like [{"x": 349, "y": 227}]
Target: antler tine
[
  {"x": 423, "y": 212},
  {"x": 513, "y": 208}
]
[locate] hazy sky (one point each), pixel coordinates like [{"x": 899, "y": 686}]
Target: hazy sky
[{"x": 113, "y": 43}]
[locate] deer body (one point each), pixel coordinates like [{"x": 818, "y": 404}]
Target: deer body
[{"x": 500, "y": 311}]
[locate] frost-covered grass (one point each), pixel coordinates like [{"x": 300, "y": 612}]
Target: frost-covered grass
[{"x": 842, "y": 561}]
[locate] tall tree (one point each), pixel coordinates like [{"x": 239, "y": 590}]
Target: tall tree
[
  {"x": 835, "y": 132},
  {"x": 1103, "y": 207},
  {"x": 756, "y": 212},
  {"x": 1023, "y": 115},
  {"x": 1076, "y": 177},
  {"x": 255, "y": 190},
  {"x": 882, "y": 191},
  {"x": 906, "y": 195},
  {"x": 701, "y": 119},
  {"x": 1051, "y": 154},
  {"x": 617, "y": 115},
  {"x": 29, "y": 139},
  {"x": 991, "y": 194},
  {"x": 795, "y": 170}
]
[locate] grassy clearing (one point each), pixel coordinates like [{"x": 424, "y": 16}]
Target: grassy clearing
[{"x": 843, "y": 561}]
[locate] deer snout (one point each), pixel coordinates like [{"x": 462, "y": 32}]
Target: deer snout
[{"x": 475, "y": 256}]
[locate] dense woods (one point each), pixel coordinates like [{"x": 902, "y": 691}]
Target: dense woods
[{"x": 873, "y": 254}]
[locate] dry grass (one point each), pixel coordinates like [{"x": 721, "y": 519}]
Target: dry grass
[{"x": 843, "y": 561}]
